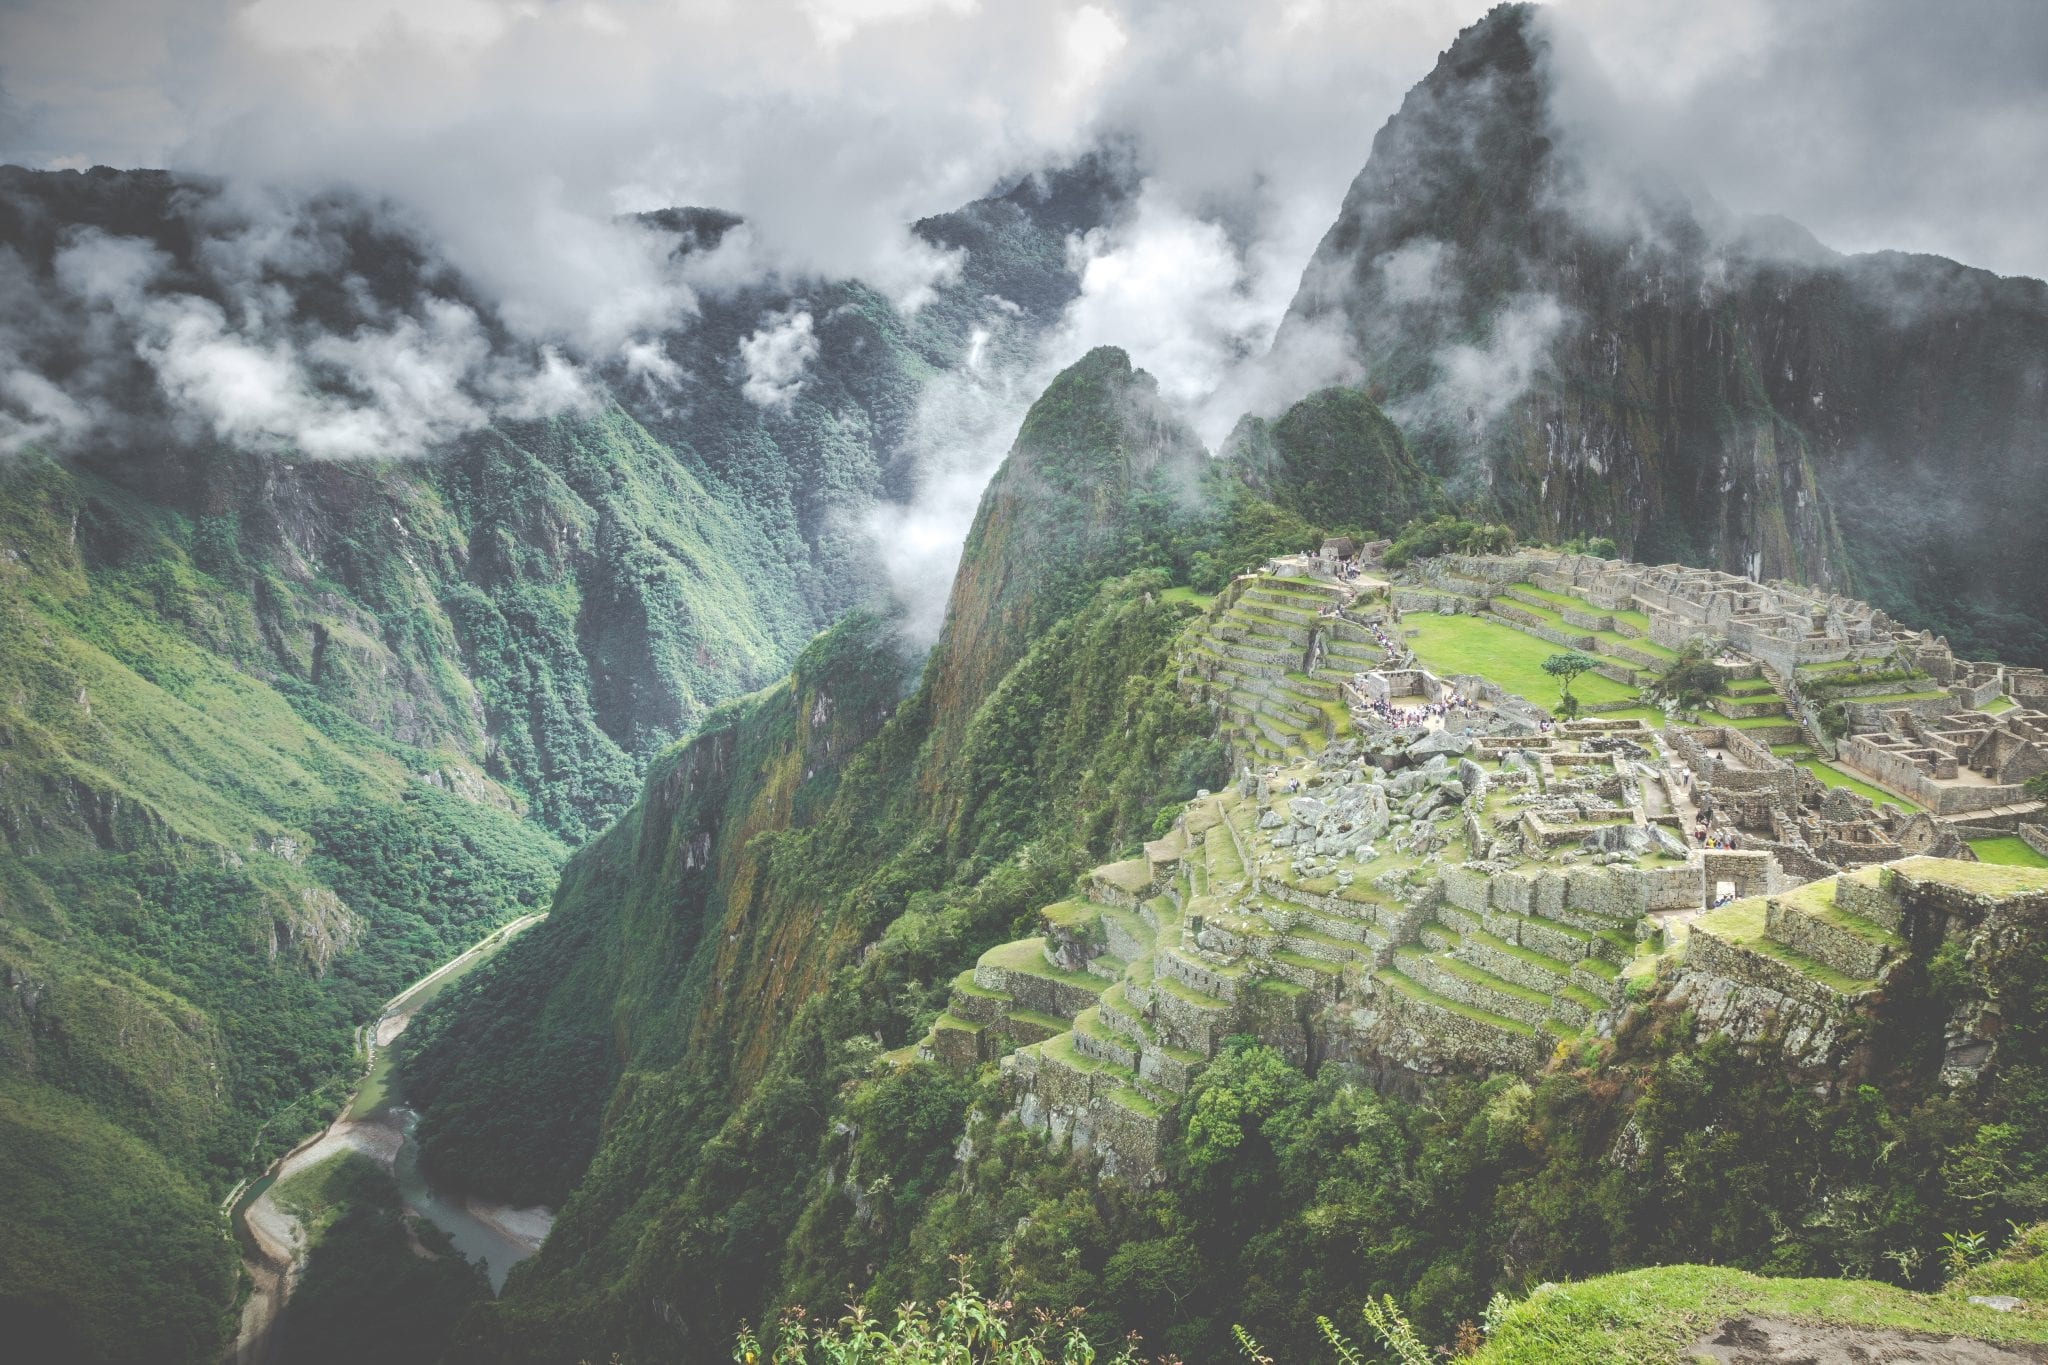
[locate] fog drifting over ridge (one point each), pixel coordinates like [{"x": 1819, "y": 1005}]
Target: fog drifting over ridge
[{"x": 510, "y": 135}]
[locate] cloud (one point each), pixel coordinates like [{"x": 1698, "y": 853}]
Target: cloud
[
  {"x": 511, "y": 136},
  {"x": 775, "y": 358},
  {"x": 238, "y": 364},
  {"x": 1877, "y": 124},
  {"x": 1475, "y": 383}
]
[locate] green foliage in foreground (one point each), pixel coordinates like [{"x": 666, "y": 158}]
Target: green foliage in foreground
[
  {"x": 1447, "y": 535},
  {"x": 963, "y": 1327},
  {"x": 1290, "y": 1197},
  {"x": 1642, "y": 1317},
  {"x": 115, "y": 1253}
]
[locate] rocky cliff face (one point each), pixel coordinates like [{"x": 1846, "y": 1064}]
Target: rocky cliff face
[{"x": 1583, "y": 345}]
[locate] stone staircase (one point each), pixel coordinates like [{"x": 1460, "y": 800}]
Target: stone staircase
[{"x": 1802, "y": 715}]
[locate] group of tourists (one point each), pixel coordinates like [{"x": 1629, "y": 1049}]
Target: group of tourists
[
  {"x": 1706, "y": 838},
  {"x": 1457, "y": 704}
]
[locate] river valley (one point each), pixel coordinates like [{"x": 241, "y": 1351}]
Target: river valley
[{"x": 274, "y": 1243}]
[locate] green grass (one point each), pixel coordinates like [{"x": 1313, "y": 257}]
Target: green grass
[
  {"x": 1989, "y": 879},
  {"x": 1027, "y": 955},
  {"x": 1136, "y": 1101},
  {"x": 1512, "y": 658},
  {"x": 1188, "y": 595},
  {"x": 2009, "y": 851},
  {"x": 1997, "y": 706},
  {"x": 1818, "y": 899},
  {"x": 1835, "y": 777},
  {"x": 1400, "y": 981},
  {"x": 1747, "y": 722},
  {"x": 1541, "y": 961},
  {"x": 1742, "y": 923},
  {"x": 1642, "y": 1317},
  {"x": 964, "y": 983},
  {"x": 1555, "y": 598},
  {"x": 1069, "y": 914}
]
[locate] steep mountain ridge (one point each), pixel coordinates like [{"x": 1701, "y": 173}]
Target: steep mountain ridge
[
  {"x": 830, "y": 896},
  {"x": 1100, "y": 469},
  {"x": 1581, "y": 344},
  {"x": 281, "y": 732}
]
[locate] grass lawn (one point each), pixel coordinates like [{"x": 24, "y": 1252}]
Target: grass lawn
[
  {"x": 1656, "y": 1315},
  {"x": 1835, "y": 777},
  {"x": 1997, "y": 706},
  {"x": 2010, "y": 851},
  {"x": 1468, "y": 644},
  {"x": 1186, "y": 594},
  {"x": 1556, "y": 599}
]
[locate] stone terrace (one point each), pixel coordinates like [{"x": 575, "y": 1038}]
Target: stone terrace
[{"x": 1471, "y": 895}]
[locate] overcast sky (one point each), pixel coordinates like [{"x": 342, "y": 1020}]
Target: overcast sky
[{"x": 516, "y": 130}]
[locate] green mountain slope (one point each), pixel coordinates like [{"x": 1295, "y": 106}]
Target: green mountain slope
[
  {"x": 1334, "y": 456},
  {"x": 277, "y": 734},
  {"x": 809, "y": 870}
]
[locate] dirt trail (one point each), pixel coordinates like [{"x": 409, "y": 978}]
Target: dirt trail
[
  {"x": 1775, "y": 1341},
  {"x": 277, "y": 1239}
]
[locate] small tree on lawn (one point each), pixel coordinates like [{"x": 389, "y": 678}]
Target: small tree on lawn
[{"x": 1565, "y": 667}]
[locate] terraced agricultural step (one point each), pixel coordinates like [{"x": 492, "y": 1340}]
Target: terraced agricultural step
[
  {"x": 1461, "y": 981},
  {"x": 1122, "y": 1016},
  {"x": 1024, "y": 1027},
  {"x": 1095, "y": 1039},
  {"x": 1325, "y": 947},
  {"x": 1504, "y": 1040},
  {"x": 1125, "y": 933},
  {"x": 959, "y": 1044},
  {"x": 1021, "y": 971},
  {"x": 972, "y": 1002},
  {"x": 1811, "y": 921},
  {"x": 1601, "y": 980},
  {"x": 1189, "y": 1019},
  {"x": 1553, "y": 938},
  {"x": 1438, "y": 938},
  {"x": 1220, "y": 983},
  {"x": 1122, "y": 884},
  {"x": 1524, "y": 967}
]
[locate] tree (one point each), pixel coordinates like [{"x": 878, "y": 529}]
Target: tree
[
  {"x": 1691, "y": 678},
  {"x": 1565, "y": 667}
]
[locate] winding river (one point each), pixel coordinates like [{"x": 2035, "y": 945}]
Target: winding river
[{"x": 274, "y": 1244}]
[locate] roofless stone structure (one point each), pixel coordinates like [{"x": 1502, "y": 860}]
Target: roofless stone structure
[{"x": 1419, "y": 869}]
